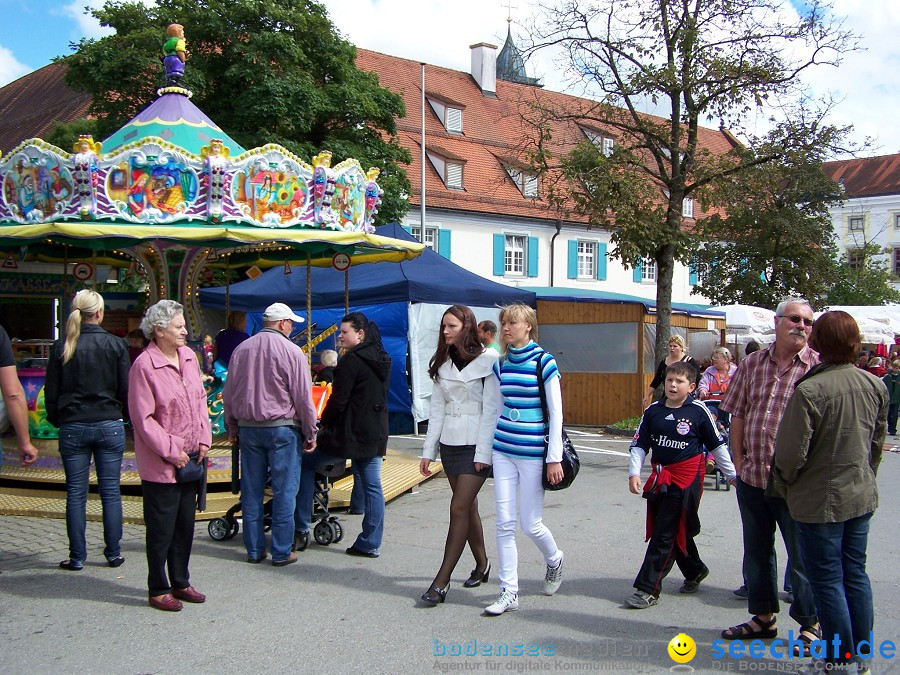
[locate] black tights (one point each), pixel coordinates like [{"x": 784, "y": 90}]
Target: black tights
[{"x": 465, "y": 525}]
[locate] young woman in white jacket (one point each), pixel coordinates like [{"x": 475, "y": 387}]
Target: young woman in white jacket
[{"x": 465, "y": 405}]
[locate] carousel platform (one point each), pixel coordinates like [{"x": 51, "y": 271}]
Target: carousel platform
[{"x": 39, "y": 490}]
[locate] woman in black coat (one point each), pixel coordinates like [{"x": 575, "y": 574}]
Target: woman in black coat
[{"x": 355, "y": 420}]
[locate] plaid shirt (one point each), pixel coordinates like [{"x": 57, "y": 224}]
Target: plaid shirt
[{"x": 759, "y": 393}]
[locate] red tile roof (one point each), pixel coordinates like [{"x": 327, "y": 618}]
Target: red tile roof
[
  {"x": 493, "y": 133},
  {"x": 868, "y": 177},
  {"x": 31, "y": 105}
]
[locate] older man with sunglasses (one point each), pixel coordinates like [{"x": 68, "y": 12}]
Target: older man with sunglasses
[{"x": 756, "y": 399}]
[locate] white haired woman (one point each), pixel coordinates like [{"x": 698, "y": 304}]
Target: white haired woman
[
  {"x": 171, "y": 428},
  {"x": 86, "y": 394}
]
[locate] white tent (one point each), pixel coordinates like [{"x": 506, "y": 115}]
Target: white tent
[{"x": 887, "y": 315}]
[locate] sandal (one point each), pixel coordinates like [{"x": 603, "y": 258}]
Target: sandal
[
  {"x": 806, "y": 637},
  {"x": 759, "y": 629}
]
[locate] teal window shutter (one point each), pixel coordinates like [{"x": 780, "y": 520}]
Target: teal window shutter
[
  {"x": 499, "y": 255},
  {"x": 408, "y": 229},
  {"x": 532, "y": 256},
  {"x": 573, "y": 260},
  {"x": 637, "y": 272},
  {"x": 693, "y": 277},
  {"x": 444, "y": 243},
  {"x": 601, "y": 262}
]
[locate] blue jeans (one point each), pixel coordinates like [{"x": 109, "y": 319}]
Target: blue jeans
[
  {"x": 760, "y": 515},
  {"x": 269, "y": 453},
  {"x": 369, "y": 539},
  {"x": 308, "y": 463},
  {"x": 835, "y": 558},
  {"x": 357, "y": 497},
  {"x": 105, "y": 442}
]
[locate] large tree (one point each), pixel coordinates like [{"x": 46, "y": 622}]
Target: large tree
[
  {"x": 694, "y": 62},
  {"x": 267, "y": 71},
  {"x": 771, "y": 235}
]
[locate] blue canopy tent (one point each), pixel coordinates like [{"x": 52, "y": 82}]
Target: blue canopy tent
[{"x": 387, "y": 293}]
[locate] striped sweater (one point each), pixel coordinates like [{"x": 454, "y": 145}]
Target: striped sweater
[{"x": 517, "y": 372}]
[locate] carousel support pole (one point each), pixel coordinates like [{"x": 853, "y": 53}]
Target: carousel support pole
[
  {"x": 94, "y": 265},
  {"x": 346, "y": 291},
  {"x": 309, "y": 335},
  {"x": 227, "y": 284}
]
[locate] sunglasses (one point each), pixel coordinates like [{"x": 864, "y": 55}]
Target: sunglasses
[{"x": 796, "y": 318}]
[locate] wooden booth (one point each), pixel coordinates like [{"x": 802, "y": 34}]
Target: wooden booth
[{"x": 604, "y": 344}]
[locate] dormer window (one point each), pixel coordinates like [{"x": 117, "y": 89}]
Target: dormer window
[
  {"x": 448, "y": 112},
  {"x": 447, "y": 165},
  {"x": 453, "y": 122},
  {"x": 603, "y": 142},
  {"x": 454, "y": 175},
  {"x": 526, "y": 181}
]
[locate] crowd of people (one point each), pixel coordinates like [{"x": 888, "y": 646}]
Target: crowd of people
[
  {"x": 806, "y": 430},
  {"x": 794, "y": 426}
]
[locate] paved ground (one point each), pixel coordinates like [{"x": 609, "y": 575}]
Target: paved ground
[{"x": 335, "y": 614}]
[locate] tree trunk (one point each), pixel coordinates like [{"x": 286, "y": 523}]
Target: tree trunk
[{"x": 665, "y": 269}]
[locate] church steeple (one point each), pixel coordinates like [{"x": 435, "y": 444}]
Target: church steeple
[{"x": 510, "y": 64}]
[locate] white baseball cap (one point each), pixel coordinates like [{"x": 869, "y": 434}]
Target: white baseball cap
[{"x": 279, "y": 311}]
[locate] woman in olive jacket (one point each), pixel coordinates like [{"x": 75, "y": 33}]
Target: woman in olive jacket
[
  {"x": 827, "y": 452},
  {"x": 355, "y": 420}
]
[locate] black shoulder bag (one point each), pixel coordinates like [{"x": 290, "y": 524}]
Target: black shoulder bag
[{"x": 570, "y": 462}]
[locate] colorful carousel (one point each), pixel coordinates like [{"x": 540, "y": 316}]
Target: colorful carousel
[{"x": 170, "y": 196}]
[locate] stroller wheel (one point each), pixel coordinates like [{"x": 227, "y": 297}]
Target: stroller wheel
[
  {"x": 235, "y": 528},
  {"x": 338, "y": 530},
  {"x": 218, "y": 529},
  {"x": 323, "y": 533}
]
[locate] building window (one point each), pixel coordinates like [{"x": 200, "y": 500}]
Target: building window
[
  {"x": 648, "y": 271},
  {"x": 526, "y": 181},
  {"x": 855, "y": 259},
  {"x": 856, "y": 223},
  {"x": 687, "y": 207},
  {"x": 607, "y": 148},
  {"x": 897, "y": 221},
  {"x": 454, "y": 177},
  {"x": 587, "y": 255},
  {"x": 515, "y": 254},
  {"x": 431, "y": 236},
  {"x": 897, "y": 262},
  {"x": 454, "y": 121}
]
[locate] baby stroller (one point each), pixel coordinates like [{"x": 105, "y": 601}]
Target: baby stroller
[
  {"x": 723, "y": 420},
  {"x": 327, "y": 529}
]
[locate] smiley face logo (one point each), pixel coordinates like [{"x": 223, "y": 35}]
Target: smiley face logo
[{"x": 682, "y": 648}]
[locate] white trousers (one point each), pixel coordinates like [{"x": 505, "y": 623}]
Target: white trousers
[{"x": 520, "y": 496}]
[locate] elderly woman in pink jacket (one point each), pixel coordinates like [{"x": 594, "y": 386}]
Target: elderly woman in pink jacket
[{"x": 168, "y": 410}]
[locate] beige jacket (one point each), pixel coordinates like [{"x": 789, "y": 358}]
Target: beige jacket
[
  {"x": 465, "y": 406},
  {"x": 829, "y": 445}
]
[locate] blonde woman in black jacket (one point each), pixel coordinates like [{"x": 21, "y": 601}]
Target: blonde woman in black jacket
[{"x": 86, "y": 394}]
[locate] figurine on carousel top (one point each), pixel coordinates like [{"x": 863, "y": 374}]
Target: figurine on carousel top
[{"x": 175, "y": 54}]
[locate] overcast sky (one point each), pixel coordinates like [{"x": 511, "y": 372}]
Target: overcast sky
[{"x": 439, "y": 32}]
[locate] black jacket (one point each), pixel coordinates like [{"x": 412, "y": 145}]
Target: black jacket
[
  {"x": 93, "y": 385},
  {"x": 355, "y": 420}
]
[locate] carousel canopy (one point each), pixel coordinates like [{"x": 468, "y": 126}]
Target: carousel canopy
[{"x": 172, "y": 175}]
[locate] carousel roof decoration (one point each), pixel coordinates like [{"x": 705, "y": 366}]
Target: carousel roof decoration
[{"x": 172, "y": 174}]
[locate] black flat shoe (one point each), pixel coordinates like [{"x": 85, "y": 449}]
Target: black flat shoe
[
  {"x": 435, "y": 595},
  {"x": 71, "y": 565},
  {"x": 477, "y": 578}
]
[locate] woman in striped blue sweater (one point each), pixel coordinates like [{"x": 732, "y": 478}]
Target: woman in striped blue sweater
[{"x": 518, "y": 453}]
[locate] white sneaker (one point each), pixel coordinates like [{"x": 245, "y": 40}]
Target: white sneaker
[
  {"x": 507, "y": 602},
  {"x": 553, "y": 577}
]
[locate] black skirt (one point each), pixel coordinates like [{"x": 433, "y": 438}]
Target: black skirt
[{"x": 459, "y": 459}]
